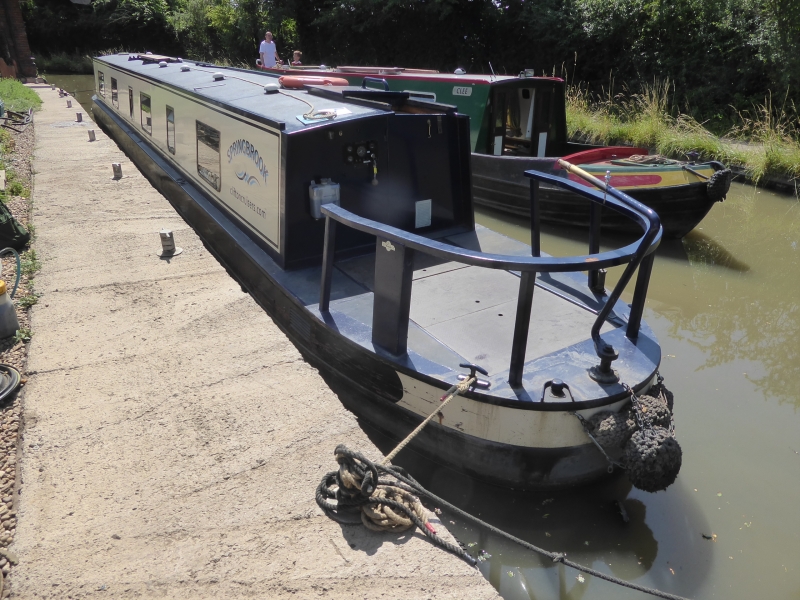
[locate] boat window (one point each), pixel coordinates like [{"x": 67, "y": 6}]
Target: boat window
[
  {"x": 101, "y": 83},
  {"x": 208, "y": 159},
  {"x": 114, "y": 93},
  {"x": 170, "y": 129},
  {"x": 147, "y": 117},
  {"x": 130, "y": 100}
]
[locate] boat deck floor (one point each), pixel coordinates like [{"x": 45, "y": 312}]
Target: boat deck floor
[{"x": 461, "y": 313}]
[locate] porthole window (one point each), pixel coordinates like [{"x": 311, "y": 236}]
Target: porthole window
[
  {"x": 147, "y": 116},
  {"x": 170, "y": 129},
  {"x": 101, "y": 83},
  {"x": 208, "y": 158},
  {"x": 114, "y": 93},
  {"x": 130, "y": 101}
]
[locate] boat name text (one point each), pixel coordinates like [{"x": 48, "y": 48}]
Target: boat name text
[{"x": 247, "y": 149}]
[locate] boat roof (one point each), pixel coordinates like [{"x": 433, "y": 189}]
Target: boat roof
[
  {"x": 417, "y": 74},
  {"x": 241, "y": 91}
]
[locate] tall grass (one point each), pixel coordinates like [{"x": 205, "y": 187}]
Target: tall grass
[{"x": 764, "y": 141}]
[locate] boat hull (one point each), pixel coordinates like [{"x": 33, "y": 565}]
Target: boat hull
[
  {"x": 498, "y": 182},
  {"x": 384, "y": 393}
]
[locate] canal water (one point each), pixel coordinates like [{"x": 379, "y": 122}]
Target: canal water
[
  {"x": 725, "y": 305},
  {"x": 81, "y": 87}
]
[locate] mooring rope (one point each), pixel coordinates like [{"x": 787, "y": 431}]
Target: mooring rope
[
  {"x": 454, "y": 391},
  {"x": 356, "y": 485},
  {"x": 409, "y": 484}
]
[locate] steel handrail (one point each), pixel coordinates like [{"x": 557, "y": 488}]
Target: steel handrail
[
  {"x": 633, "y": 254},
  {"x": 645, "y": 216}
]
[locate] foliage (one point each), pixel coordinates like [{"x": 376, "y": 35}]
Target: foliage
[
  {"x": 23, "y": 335},
  {"x": 27, "y": 300},
  {"x": 715, "y": 54},
  {"x": 765, "y": 140},
  {"x": 29, "y": 263},
  {"x": 17, "y": 97},
  {"x": 62, "y": 62}
]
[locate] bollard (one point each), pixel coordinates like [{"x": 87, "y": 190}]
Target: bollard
[
  {"x": 79, "y": 117},
  {"x": 53, "y": 86},
  {"x": 117, "y": 170},
  {"x": 168, "y": 247},
  {"x": 91, "y": 135},
  {"x": 69, "y": 103}
]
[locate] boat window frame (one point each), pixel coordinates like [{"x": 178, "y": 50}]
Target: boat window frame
[
  {"x": 203, "y": 171},
  {"x": 114, "y": 93},
  {"x": 171, "y": 113},
  {"x": 130, "y": 101},
  {"x": 101, "y": 83},
  {"x": 147, "y": 128}
]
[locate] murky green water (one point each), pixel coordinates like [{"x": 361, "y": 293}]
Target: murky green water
[
  {"x": 725, "y": 304},
  {"x": 81, "y": 87}
]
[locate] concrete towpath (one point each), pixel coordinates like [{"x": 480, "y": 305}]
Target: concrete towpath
[{"x": 172, "y": 435}]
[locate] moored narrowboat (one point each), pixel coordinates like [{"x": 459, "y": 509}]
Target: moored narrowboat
[
  {"x": 519, "y": 123},
  {"x": 348, "y": 217}
]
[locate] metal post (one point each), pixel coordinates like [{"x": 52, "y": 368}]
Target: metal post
[
  {"x": 594, "y": 240},
  {"x": 394, "y": 269},
  {"x": 536, "y": 242},
  {"x": 328, "y": 252},
  {"x": 521, "y": 324},
  {"x": 639, "y": 296}
]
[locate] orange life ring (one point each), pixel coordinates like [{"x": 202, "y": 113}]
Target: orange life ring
[{"x": 296, "y": 82}]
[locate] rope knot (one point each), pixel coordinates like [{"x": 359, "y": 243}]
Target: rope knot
[{"x": 560, "y": 557}]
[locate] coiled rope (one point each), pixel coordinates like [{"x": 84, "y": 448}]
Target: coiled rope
[{"x": 354, "y": 486}]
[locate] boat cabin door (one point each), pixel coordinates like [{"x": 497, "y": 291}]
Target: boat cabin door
[{"x": 521, "y": 121}]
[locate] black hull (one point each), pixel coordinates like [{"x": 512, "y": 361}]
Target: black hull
[
  {"x": 498, "y": 182},
  {"x": 373, "y": 380}
]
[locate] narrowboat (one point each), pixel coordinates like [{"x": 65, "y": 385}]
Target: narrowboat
[
  {"x": 348, "y": 217},
  {"x": 519, "y": 123}
]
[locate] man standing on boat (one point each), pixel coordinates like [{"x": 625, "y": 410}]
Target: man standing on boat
[{"x": 268, "y": 51}]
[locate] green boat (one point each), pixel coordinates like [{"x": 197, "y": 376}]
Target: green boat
[{"x": 518, "y": 124}]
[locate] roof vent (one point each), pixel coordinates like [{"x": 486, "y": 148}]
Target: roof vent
[
  {"x": 162, "y": 64},
  {"x": 148, "y": 52},
  {"x": 184, "y": 68},
  {"x": 179, "y": 59},
  {"x": 460, "y": 71},
  {"x": 271, "y": 88},
  {"x": 218, "y": 76}
]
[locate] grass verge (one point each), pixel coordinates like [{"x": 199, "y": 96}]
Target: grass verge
[
  {"x": 17, "y": 97},
  {"x": 765, "y": 141}
]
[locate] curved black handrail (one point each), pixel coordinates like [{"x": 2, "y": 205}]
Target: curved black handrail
[
  {"x": 645, "y": 216},
  {"x": 633, "y": 254}
]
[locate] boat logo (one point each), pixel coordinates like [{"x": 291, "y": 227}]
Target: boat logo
[
  {"x": 388, "y": 245},
  {"x": 248, "y": 179},
  {"x": 244, "y": 148}
]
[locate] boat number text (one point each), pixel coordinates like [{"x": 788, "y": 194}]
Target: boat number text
[{"x": 462, "y": 91}]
